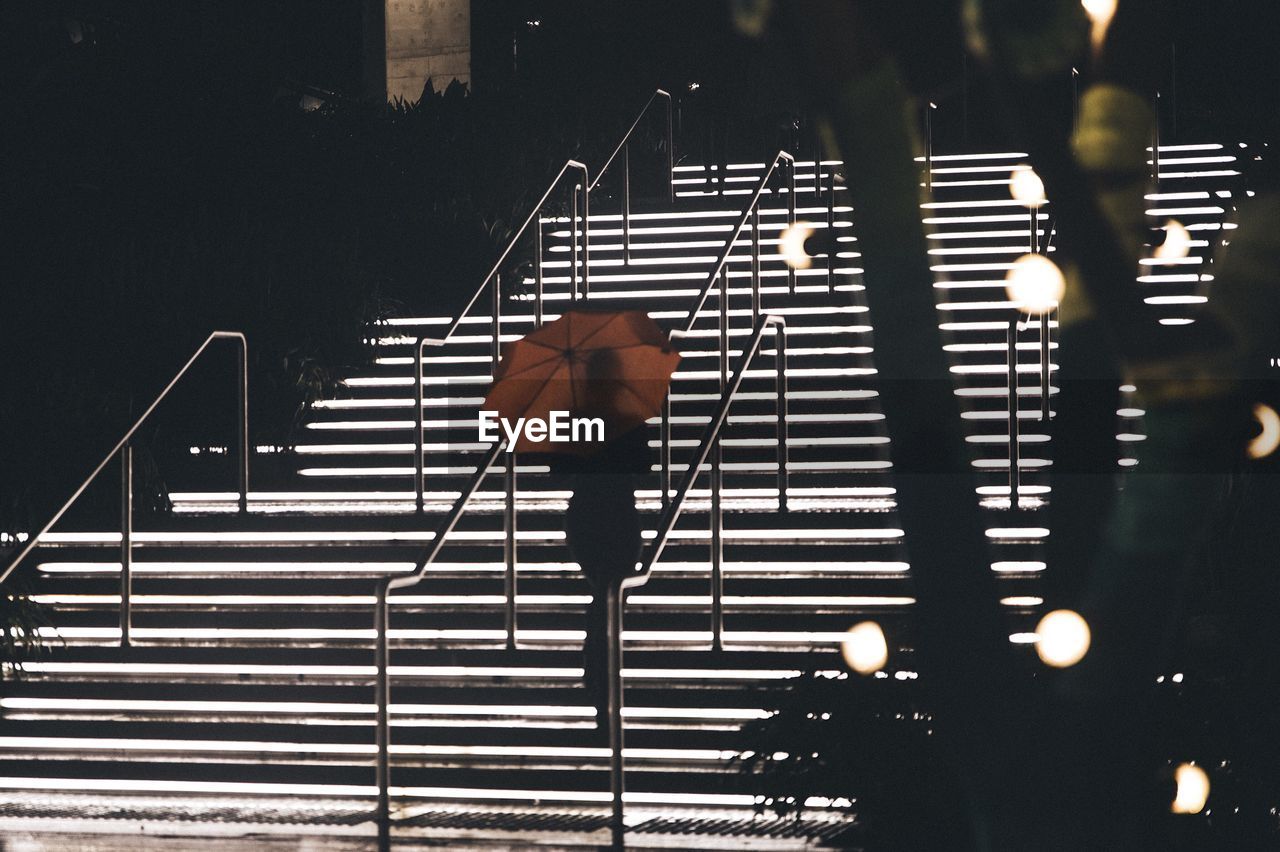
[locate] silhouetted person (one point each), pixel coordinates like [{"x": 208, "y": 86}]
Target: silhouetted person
[{"x": 602, "y": 529}]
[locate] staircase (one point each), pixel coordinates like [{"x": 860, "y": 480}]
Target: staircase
[{"x": 245, "y": 704}]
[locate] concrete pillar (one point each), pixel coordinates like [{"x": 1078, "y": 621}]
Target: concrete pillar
[{"x": 426, "y": 39}]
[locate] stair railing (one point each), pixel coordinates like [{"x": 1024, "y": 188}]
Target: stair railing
[
  {"x": 1013, "y": 386},
  {"x": 494, "y": 278},
  {"x": 708, "y": 445},
  {"x": 124, "y": 448},
  {"x": 752, "y": 213},
  {"x": 381, "y": 623},
  {"x": 624, "y": 147}
]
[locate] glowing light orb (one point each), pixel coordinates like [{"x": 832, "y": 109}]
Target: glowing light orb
[
  {"x": 1063, "y": 638},
  {"x": 1026, "y": 187},
  {"x": 865, "y": 649},
  {"x": 1177, "y": 242},
  {"x": 1035, "y": 283},
  {"x": 1100, "y": 11},
  {"x": 791, "y": 245},
  {"x": 1193, "y": 789},
  {"x": 1269, "y": 438}
]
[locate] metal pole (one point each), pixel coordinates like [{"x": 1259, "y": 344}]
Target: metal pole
[
  {"x": 617, "y": 779},
  {"x": 242, "y": 394},
  {"x": 626, "y": 204},
  {"x": 126, "y": 544},
  {"x": 671, "y": 158},
  {"x": 666, "y": 450},
  {"x": 717, "y": 548},
  {"x": 382, "y": 701},
  {"x": 537, "y": 275},
  {"x": 1044, "y": 367},
  {"x": 509, "y": 550},
  {"x": 784, "y": 452},
  {"x": 755, "y": 265},
  {"x": 586, "y": 238},
  {"x": 1012, "y": 378},
  {"x": 831, "y": 232},
  {"x": 573, "y": 251},
  {"x": 419, "y": 451},
  {"x": 717, "y": 482},
  {"x": 791, "y": 217},
  {"x": 495, "y": 324}
]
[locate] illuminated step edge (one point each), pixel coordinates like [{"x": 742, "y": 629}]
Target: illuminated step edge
[
  {"x": 460, "y": 794},
  {"x": 201, "y": 750},
  {"x": 780, "y": 536},
  {"x": 379, "y": 568},
  {"x": 199, "y": 670},
  {"x": 573, "y": 638},
  {"x": 736, "y": 467},
  {"x": 335, "y": 602}
]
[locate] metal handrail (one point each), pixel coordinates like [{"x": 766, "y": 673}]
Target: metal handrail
[
  {"x": 382, "y": 683},
  {"x": 533, "y": 214},
  {"x": 752, "y": 212},
  {"x": 1012, "y": 387},
  {"x": 747, "y": 213},
  {"x": 125, "y": 449},
  {"x": 710, "y": 440},
  {"x": 624, "y": 147},
  {"x": 495, "y": 321}
]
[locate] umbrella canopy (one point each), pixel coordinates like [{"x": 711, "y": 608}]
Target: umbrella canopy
[{"x": 613, "y": 367}]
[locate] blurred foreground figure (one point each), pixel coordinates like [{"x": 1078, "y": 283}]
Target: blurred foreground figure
[{"x": 1075, "y": 766}]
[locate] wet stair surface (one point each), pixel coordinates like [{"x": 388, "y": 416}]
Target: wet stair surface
[{"x": 250, "y": 678}]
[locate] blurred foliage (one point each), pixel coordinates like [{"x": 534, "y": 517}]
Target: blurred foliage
[
  {"x": 867, "y": 745},
  {"x": 20, "y": 623}
]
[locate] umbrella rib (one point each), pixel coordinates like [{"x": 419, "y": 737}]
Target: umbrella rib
[
  {"x": 529, "y": 367},
  {"x": 597, "y": 330},
  {"x": 534, "y": 396}
]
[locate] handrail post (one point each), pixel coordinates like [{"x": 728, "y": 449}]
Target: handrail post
[
  {"x": 419, "y": 451},
  {"x": 665, "y": 450},
  {"x": 831, "y": 231},
  {"x": 495, "y": 324},
  {"x": 242, "y": 394},
  {"x": 1015, "y": 465},
  {"x": 537, "y": 275},
  {"x": 382, "y": 723},
  {"x": 626, "y": 204},
  {"x": 586, "y": 236},
  {"x": 382, "y": 652},
  {"x": 784, "y": 452},
  {"x": 791, "y": 217},
  {"x": 126, "y": 544},
  {"x": 617, "y": 780},
  {"x": 1044, "y": 367},
  {"x": 717, "y": 547},
  {"x": 509, "y": 550},
  {"x": 573, "y": 246},
  {"x": 755, "y": 264},
  {"x": 671, "y": 158}
]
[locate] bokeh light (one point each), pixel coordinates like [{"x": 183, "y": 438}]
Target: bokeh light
[
  {"x": 1063, "y": 638},
  {"x": 865, "y": 648},
  {"x": 1177, "y": 242},
  {"x": 1100, "y": 11},
  {"x": 791, "y": 245},
  {"x": 1193, "y": 789},
  {"x": 1269, "y": 438},
  {"x": 1035, "y": 284},
  {"x": 1026, "y": 187}
]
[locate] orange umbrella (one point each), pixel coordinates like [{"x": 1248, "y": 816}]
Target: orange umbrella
[{"x": 586, "y": 369}]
